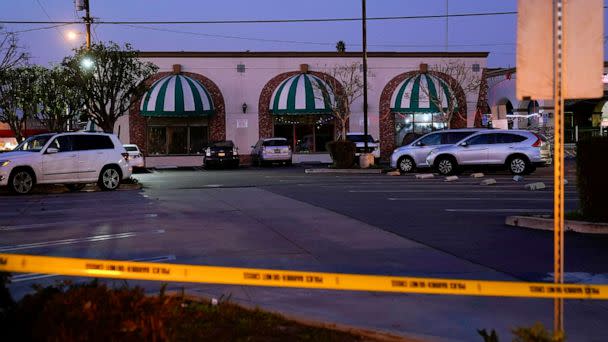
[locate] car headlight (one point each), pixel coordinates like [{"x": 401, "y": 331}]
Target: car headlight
[{"x": 4, "y": 163}]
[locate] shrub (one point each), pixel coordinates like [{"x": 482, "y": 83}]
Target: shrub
[
  {"x": 592, "y": 177},
  {"x": 342, "y": 153}
]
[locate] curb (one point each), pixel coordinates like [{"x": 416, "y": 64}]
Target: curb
[
  {"x": 355, "y": 171},
  {"x": 547, "y": 224}
]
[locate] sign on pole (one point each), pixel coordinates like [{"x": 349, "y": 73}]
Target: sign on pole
[
  {"x": 559, "y": 56},
  {"x": 582, "y": 49}
]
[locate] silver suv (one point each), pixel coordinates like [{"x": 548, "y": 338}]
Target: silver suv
[
  {"x": 410, "y": 157},
  {"x": 516, "y": 150},
  {"x": 270, "y": 150}
]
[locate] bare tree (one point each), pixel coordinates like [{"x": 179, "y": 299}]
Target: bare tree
[
  {"x": 345, "y": 87},
  {"x": 446, "y": 102},
  {"x": 110, "y": 77},
  {"x": 11, "y": 55}
]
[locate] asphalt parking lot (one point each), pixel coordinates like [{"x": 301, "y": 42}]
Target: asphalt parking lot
[{"x": 283, "y": 218}]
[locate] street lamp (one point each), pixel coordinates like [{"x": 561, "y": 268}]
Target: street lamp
[
  {"x": 72, "y": 35},
  {"x": 87, "y": 62}
]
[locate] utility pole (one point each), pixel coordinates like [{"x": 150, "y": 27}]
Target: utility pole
[
  {"x": 447, "y": 29},
  {"x": 83, "y": 5},
  {"x": 364, "y": 23},
  {"x": 87, "y": 20}
]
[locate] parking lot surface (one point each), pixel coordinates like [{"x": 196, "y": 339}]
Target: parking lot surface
[{"x": 284, "y": 218}]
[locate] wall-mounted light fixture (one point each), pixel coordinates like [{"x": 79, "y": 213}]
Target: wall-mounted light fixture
[{"x": 244, "y": 106}]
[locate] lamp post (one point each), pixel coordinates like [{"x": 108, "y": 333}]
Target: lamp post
[{"x": 364, "y": 23}]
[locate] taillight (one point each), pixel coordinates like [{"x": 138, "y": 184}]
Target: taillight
[
  {"x": 538, "y": 141},
  {"x": 125, "y": 155}
]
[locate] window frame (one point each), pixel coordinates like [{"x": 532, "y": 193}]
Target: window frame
[{"x": 166, "y": 144}]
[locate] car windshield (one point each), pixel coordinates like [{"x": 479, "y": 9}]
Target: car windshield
[
  {"x": 359, "y": 138},
  {"x": 275, "y": 142},
  {"x": 131, "y": 148},
  {"x": 228, "y": 144},
  {"x": 33, "y": 144}
]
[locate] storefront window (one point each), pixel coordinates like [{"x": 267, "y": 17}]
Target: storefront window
[
  {"x": 305, "y": 142},
  {"x": 323, "y": 135},
  {"x": 198, "y": 139},
  {"x": 166, "y": 137},
  {"x": 410, "y": 126},
  {"x": 307, "y": 133},
  {"x": 157, "y": 140},
  {"x": 284, "y": 131},
  {"x": 177, "y": 140}
]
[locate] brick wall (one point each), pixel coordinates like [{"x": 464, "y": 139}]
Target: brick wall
[
  {"x": 387, "y": 118},
  {"x": 217, "y": 122},
  {"x": 264, "y": 116}
]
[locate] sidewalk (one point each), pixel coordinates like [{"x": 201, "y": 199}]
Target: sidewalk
[{"x": 250, "y": 227}]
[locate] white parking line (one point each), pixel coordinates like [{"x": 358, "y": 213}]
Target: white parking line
[
  {"x": 83, "y": 221},
  {"x": 492, "y": 190},
  {"x": 525, "y": 210},
  {"x": 93, "y": 238},
  {"x": 522, "y": 199},
  {"x": 34, "y": 276}
]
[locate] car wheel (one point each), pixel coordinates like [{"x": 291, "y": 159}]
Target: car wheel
[
  {"x": 109, "y": 178},
  {"x": 518, "y": 165},
  {"x": 446, "y": 166},
  {"x": 75, "y": 187},
  {"x": 406, "y": 164},
  {"x": 21, "y": 182},
  {"x": 288, "y": 163}
]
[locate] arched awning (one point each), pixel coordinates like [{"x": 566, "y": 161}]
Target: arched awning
[
  {"x": 302, "y": 94},
  {"x": 177, "y": 96},
  {"x": 416, "y": 94}
]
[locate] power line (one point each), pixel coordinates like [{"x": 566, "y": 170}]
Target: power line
[
  {"x": 265, "y": 21},
  {"x": 209, "y": 35},
  {"x": 48, "y": 16},
  {"x": 40, "y": 28}
]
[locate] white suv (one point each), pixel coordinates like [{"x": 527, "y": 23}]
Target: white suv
[{"x": 73, "y": 159}]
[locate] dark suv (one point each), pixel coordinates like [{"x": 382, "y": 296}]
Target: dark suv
[{"x": 221, "y": 153}]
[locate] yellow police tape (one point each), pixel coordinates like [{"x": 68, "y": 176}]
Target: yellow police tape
[{"x": 299, "y": 279}]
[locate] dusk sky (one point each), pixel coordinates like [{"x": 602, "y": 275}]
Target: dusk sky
[{"x": 495, "y": 34}]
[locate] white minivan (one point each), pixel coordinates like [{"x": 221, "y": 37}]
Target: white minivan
[{"x": 73, "y": 159}]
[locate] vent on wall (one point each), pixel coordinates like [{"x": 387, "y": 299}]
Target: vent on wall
[
  {"x": 476, "y": 68},
  {"x": 240, "y": 68}
]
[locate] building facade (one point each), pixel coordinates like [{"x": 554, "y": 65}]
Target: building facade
[
  {"x": 199, "y": 97},
  {"x": 583, "y": 118}
]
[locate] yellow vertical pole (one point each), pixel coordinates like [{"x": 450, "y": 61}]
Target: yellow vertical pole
[{"x": 558, "y": 173}]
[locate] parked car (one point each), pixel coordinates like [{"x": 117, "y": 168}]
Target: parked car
[
  {"x": 221, "y": 153},
  {"x": 516, "y": 150},
  {"x": 271, "y": 150},
  {"x": 73, "y": 159},
  {"x": 412, "y": 156},
  {"x": 359, "y": 140},
  {"x": 136, "y": 158}
]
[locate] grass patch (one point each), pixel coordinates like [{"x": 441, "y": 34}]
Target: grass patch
[{"x": 95, "y": 312}]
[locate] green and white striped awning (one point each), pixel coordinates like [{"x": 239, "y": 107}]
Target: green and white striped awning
[
  {"x": 415, "y": 94},
  {"x": 177, "y": 96},
  {"x": 302, "y": 94}
]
